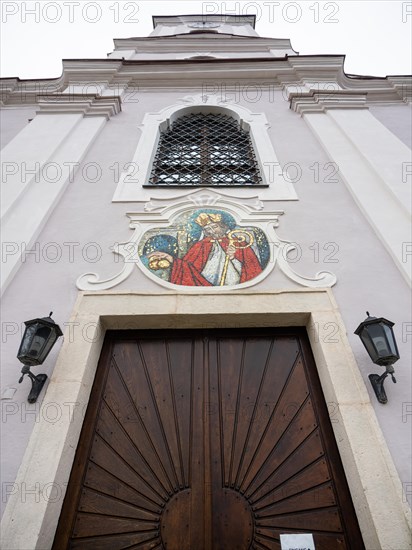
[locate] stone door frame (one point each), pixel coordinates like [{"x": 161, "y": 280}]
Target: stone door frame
[{"x": 374, "y": 484}]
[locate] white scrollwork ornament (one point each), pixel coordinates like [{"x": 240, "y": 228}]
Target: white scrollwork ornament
[
  {"x": 128, "y": 251},
  {"x": 321, "y": 279}
]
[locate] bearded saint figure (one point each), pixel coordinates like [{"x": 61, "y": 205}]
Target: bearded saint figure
[{"x": 217, "y": 259}]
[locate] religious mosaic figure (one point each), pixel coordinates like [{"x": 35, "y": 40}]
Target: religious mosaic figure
[{"x": 208, "y": 250}]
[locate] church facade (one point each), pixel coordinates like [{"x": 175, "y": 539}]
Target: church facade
[{"x": 209, "y": 215}]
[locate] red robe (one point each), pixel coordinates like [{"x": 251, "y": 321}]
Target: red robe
[{"x": 188, "y": 270}]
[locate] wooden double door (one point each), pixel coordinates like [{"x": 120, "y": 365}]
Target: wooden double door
[{"x": 201, "y": 440}]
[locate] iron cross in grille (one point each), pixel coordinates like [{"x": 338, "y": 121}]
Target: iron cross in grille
[{"x": 205, "y": 149}]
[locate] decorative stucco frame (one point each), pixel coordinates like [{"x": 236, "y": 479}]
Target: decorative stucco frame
[
  {"x": 373, "y": 481},
  {"x": 160, "y": 213}
]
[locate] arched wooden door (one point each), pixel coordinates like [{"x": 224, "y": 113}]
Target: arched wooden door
[{"x": 201, "y": 440}]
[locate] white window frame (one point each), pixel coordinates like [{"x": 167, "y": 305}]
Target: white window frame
[{"x": 129, "y": 188}]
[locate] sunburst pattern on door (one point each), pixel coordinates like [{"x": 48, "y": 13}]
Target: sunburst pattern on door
[{"x": 206, "y": 440}]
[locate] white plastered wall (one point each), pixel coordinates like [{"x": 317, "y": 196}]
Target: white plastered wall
[
  {"x": 373, "y": 481},
  {"x": 373, "y": 163},
  {"x": 38, "y": 165}
]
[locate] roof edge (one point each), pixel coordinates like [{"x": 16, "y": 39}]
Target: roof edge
[{"x": 222, "y": 18}]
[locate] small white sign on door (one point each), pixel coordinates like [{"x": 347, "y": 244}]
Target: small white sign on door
[{"x": 302, "y": 541}]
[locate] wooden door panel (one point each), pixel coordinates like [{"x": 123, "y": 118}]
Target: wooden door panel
[
  {"x": 307, "y": 522},
  {"x": 134, "y": 433},
  {"x": 309, "y": 451},
  {"x": 230, "y": 355},
  {"x": 107, "y": 461},
  {"x": 206, "y": 440},
  {"x": 157, "y": 364},
  {"x": 253, "y": 360},
  {"x": 293, "y": 435},
  {"x": 95, "y": 502},
  {"x": 313, "y": 475},
  {"x": 291, "y": 421},
  {"x": 271, "y": 383},
  {"x": 320, "y": 496},
  {"x": 134, "y": 369},
  {"x": 114, "y": 435},
  {"x": 181, "y": 352},
  {"x": 96, "y": 525},
  {"x": 121, "y": 541},
  {"x": 125, "y": 487}
]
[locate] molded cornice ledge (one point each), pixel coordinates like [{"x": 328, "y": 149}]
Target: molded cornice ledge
[
  {"x": 179, "y": 43},
  {"x": 89, "y": 105},
  {"x": 403, "y": 85},
  {"x": 309, "y": 71},
  {"x": 320, "y": 101},
  {"x": 24, "y": 92},
  {"x": 7, "y": 86}
]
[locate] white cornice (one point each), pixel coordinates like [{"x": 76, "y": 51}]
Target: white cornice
[
  {"x": 14, "y": 91},
  {"x": 318, "y": 102},
  {"x": 229, "y": 43},
  {"x": 299, "y": 72},
  {"x": 89, "y": 105}
]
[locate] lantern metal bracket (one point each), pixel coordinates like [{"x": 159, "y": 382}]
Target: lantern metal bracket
[
  {"x": 377, "y": 383},
  {"x": 37, "y": 383}
]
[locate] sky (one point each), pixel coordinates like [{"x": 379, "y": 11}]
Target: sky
[{"x": 374, "y": 35}]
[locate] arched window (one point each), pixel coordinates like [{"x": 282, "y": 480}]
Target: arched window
[{"x": 201, "y": 149}]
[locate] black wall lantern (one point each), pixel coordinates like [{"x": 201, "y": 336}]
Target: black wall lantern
[
  {"x": 38, "y": 339},
  {"x": 379, "y": 340}
]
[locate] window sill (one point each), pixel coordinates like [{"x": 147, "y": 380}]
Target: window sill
[{"x": 239, "y": 186}]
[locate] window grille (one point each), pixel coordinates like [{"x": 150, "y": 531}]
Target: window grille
[{"x": 205, "y": 149}]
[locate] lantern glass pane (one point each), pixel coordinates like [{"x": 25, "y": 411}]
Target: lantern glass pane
[
  {"x": 391, "y": 340},
  {"x": 49, "y": 344},
  {"x": 27, "y": 338},
  {"x": 367, "y": 342},
  {"x": 39, "y": 342},
  {"x": 381, "y": 344}
]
